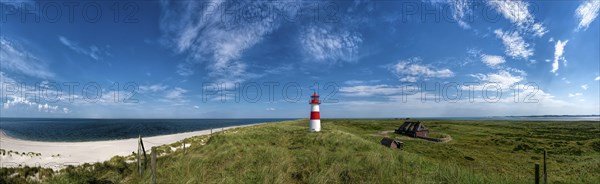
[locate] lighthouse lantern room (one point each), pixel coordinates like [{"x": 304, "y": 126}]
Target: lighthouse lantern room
[{"x": 315, "y": 116}]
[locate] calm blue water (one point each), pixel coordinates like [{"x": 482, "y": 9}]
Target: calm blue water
[{"x": 42, "y": 129}]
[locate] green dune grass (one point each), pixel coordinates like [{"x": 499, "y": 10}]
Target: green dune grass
[{"x": 348, "y": 151}]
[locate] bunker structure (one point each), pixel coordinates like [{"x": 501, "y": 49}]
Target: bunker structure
[
  {"x": 413, "y": 129},
  {"x": 391, "y": 143}
]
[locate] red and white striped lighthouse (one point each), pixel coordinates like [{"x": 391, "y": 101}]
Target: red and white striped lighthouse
[{"x": 315, "y": 115}]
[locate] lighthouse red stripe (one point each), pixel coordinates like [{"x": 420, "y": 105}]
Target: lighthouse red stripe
[{"x": 315, "y": 115}]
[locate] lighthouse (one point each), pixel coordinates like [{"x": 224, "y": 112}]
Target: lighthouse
[{"x": 315, "y": 116}]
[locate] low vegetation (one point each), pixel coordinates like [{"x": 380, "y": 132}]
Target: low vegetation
[
  {"x": 3, "y": 152},
  {"x": 348, "y": 151}
]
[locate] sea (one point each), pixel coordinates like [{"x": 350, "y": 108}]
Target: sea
[{"x": 75, "y": 130}]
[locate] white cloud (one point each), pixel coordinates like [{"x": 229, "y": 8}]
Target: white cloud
[
  {"x": 461, "y": 10},
  {"x": 357, "y": 82},
  {"x": 15, "y": 58},
  {"x": 587, "y": 13},
  {"x": 196, "y": 107},
  {"x": 16, "y": 101},
  {"x": 566, "y": 81},
  {"x": 270, "y": 109},
  {"x": 331, "y": 46},
  {"x": 93, "y": 51},
  {"x": 575, "y": 94},
  {"x": 492, "y": 60},
  {"x": 503, "y": 78},
  {"x": 13, "y": 101},
  {"x": 517, "y": 11},
  {"x": 514, "y": 44},
  {"x": 177, "y": 93},
  {"x": 409, "y": 79},
  {"x": 197, "y": 30},
  {"x": 597, "y": 78},
  {"x": 538, "y": 103},
  {"x": 410, "y": 70},
  {"x": 47, "y": 108},
  {"x": 152, "y": 88},
  {"x": 538, "y": 30},
  {"x": 510, "y": 69},
  {"x": 584, "y": 87},
  {"x": 558, "y": 52},
  {"x": 514, "y": 10},
  {"x": 366, "y": 90}
]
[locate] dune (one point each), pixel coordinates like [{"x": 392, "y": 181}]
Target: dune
[{"x": 57, "y": 155}]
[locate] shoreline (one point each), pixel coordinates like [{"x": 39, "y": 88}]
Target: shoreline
[{"x": 57, "y": 155}]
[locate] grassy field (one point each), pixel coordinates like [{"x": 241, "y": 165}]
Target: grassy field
[{"x": 348, "y": 151}]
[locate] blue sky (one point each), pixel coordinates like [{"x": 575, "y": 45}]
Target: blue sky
[{"x": 222, "y": 59}]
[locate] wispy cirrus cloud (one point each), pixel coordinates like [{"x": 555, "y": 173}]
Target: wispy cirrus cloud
[
  {"x": 370, "y": 90},
  {"x": 503, "y": 78},
  {"x": 358, "y": 82},
  {"x": 559, "y": 50},
  {"x": 93, "y": 51},
  {"x": 198, "y": 30},
  {"x": 410, "y": 70},
  {"x": 329, "y": 45},
  {"x": 514, "y": 44},
  {"x": 517, "y": 11},
  {"x": 586, "y": 13},
  {"x": 461, "y": 10},
  {"x": 152, "y": 88},
  {"x": 16, "y": 58}
]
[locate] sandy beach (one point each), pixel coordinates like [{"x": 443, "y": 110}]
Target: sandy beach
[{"x": 59, "y": 154}]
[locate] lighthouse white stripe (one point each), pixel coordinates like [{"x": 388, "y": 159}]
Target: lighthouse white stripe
[
  {"x": 315, "y": 125},
  {"x": 315, "y": 107}
]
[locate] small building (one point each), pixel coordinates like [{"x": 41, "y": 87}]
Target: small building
[
  {"x": 391, "y": 143},
  {"x": 413, "y": 129}
]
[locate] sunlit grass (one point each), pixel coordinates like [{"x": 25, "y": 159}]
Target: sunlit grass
[{"x": 348, "y": 151}]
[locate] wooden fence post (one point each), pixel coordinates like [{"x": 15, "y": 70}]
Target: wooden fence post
[
  {"x": 183, "y": 147},
  {"x": 153, "y": 164},
  {"x": 139, "y": 161},
  {"x": 211, "y": 131},
  {"x": 545, "y": 173},
  {"x": 145, "y": 163},
  {"x": 537, "y": 173}
]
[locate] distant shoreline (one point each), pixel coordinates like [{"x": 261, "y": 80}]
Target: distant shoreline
[{"x": 57, "y": 155}]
